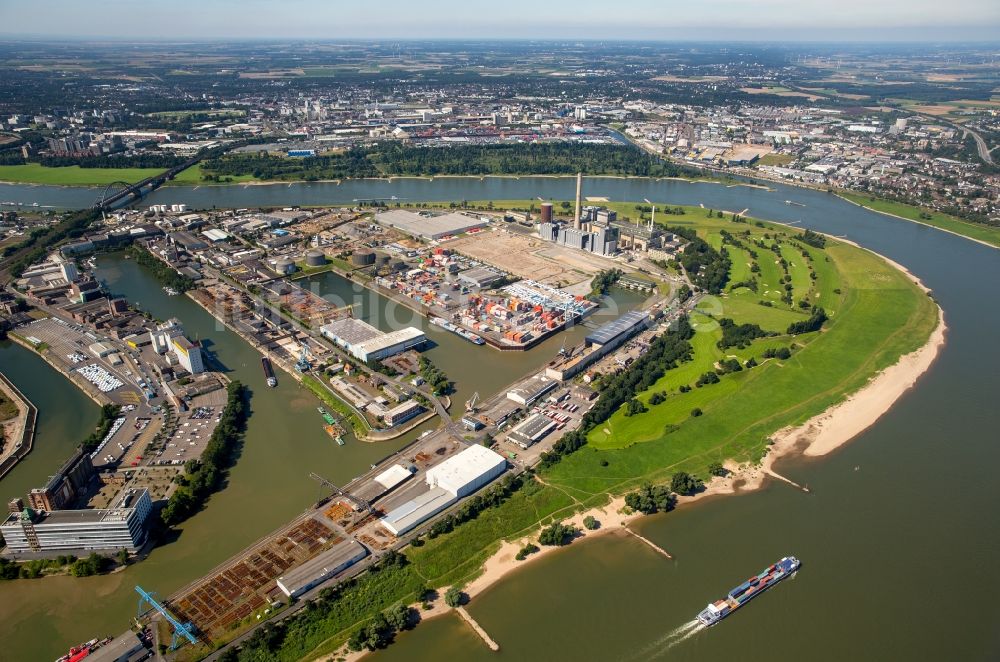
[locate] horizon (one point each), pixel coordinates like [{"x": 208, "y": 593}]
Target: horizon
[{"x": 802, "y": 21}]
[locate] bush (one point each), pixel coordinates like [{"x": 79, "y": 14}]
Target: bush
[
  {"x": 526, "y": 551},
  {"x": 716, "y": 469},
  {"x": 696, "y": 412},
  {"x": 590, "y": 523}
]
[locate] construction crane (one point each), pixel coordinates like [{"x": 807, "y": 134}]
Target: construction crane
[
  {"x": 360, "y": 504},
  {"x": 178, "y": 629},
  {"x": 470, "y": 404}
]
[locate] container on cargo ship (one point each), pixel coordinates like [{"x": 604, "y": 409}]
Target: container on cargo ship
[{"x": 748, "y": 590}]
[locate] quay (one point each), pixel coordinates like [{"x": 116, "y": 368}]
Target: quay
[{"x": 27, "y": 416}]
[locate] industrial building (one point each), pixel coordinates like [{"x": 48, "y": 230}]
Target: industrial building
[
  {"x": 430, "y": 226},
  {"x": 403, "y": 412},
  {"x": 600, "y": 240},
  {"x": 479, "y": 276},
  {"x": 526, "y": 393},
  {"x": 72, "y": 479},
  {"x": 605, "y": 339},
  {"x": 314, "y": 572},
  {"x": 61, "y": 531},
  {"x": 189, "y": 355},
  {"x": 613, "y": 334},
  {"x": 456, "y": 477},
  {"x": 366, "y": 343},
  {"x": 532, "y": 430}
]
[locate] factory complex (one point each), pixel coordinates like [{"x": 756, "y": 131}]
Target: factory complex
[{"x": 598, "y": 344}]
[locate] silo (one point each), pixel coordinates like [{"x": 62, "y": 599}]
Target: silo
[
  {"x": 315, "y": 258},
  {"x": 363, "y": 258},
  {"x": 546, "y": 212},
  {"x": 284, "y": 266}
]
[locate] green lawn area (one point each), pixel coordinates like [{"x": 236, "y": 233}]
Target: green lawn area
[
  {"x": 798, "y": 268},
  {"x": 880, "y": 316},
  {"x": 35, "y": 173},
  {"x": 776, "y": 159},
  {"x": 742, "y": 307},
  {"x": 985, "y": 233},
  {"x": 739, "y": 272}
]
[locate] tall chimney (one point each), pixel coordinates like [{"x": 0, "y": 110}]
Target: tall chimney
[{"x": 579, "y": 193}]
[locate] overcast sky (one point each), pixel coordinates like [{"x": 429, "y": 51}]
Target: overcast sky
[{"x": 782, "y": 20}]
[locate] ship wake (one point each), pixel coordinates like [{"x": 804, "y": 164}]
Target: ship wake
[{"x": 669, "y": 640}]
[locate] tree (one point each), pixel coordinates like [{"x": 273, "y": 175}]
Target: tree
[
  {"x": 696, "y": 412},
  {"x": 526, "y": 551},
  {"x": 122, "y": 556},
  {"x": 400, "y": 617},
  {"x": 634, "y": 406},
  {"x": 716, "y": 469},
  {"x": 454, "y": 597},
  {"x": 650, "y": 499},
  {"x": 557, "y": 534},
  {"x": 657, "y": 398},
  {"x": 590, "y": 523},
  {"x": 684, "y": 483}
]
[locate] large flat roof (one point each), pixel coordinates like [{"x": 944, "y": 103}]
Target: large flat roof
[
  {"x": 427, "y": 225},
  {"x": 389, "y": 339},
  {"x": 623, "y": 324},
  {"x": 351, "y": 331},
  {"x": 345, "y": 551},
  {"x": 416, "y": 510}
]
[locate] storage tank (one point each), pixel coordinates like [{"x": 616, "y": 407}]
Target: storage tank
[
  {"x": 363, "y": 258},
  {"x": 546, "y": 212},
  {"x": 315, "y": 258},
  {"x": 284, "y": 265}
]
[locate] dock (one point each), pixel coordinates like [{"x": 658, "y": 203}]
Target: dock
[{"x": 28, "y": 415}]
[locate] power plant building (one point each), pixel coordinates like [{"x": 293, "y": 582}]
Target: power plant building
[{"x": 61, "y": 531}]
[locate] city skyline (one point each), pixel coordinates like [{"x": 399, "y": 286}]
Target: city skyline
[{"x": 894, "y": 20}]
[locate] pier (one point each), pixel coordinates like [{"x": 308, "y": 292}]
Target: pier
[
  {"x": 28, "y": 415},
  {"x": 483, "y": 634},
  {"x": 656, "y": 548}
]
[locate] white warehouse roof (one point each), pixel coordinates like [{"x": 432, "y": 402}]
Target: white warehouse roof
[
  {"x": 468, "y": 471},
  {"x": 393, "y": 476}
]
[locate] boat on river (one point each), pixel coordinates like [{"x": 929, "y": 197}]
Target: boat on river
[
  {"x": 749, "y": 590},
  {"x": 457, "y": 330},
  {"x": 272, "y": 381}
]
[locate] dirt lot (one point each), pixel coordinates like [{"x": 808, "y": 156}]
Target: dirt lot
[{"x": 530, "y": 257}]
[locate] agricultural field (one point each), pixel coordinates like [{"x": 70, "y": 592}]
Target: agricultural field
[{"x": 984, "y": 233}]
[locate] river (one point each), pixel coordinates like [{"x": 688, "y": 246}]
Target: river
[{"x": 895, "y": 536}]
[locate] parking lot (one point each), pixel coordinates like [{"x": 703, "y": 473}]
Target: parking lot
[{"x": 69, "y": 345}]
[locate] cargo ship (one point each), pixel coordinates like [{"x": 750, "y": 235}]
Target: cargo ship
[
  {"x": 457, "y": 330},
  {"x": 332, "y": 428},
  {"x": 272, "y": 381},
  {"x": 83, "y": 650},
  {"x": 749, "y": 590}
]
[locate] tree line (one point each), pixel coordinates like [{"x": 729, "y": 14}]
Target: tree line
[
  {"x": 707, "y": 267},
  {"x": 202, "y": 477},
  {"x": 162, "y": 271}
]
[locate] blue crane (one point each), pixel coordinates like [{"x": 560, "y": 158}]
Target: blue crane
[{"x": 178, "y": 629}]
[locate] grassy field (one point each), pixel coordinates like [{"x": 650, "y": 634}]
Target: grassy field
[
  {"x": 34, "y": 173},
  {"x": 745, "y": 408},
  {"x": 985, "y": 233}
]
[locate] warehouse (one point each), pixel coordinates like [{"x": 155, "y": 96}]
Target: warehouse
[
  {"x": 479, "y": 276},
  {"x": 456, "y": 477},
  {"x": 367, "y": 343},
  {"x": 407, "y": 516},
  {"x": 467, "y": 471},
  {"x": 427, "y": 225},
  {"x": 613, "y": 334},
  {"x": 316, "y": 571},
  {"x": 403, "y": 412},
  {"x": 532, "y": 430},
  {"x": 526, "y": 393}
]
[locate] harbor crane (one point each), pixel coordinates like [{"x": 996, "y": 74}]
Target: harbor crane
[
  {"x": 178, "y": 630},
  {"x": 303, "y": 364},
  {"x": 470, "y": 404},
  {"x": 360, "y": 504}
]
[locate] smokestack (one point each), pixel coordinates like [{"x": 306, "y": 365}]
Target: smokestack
[
  {"x": 652, "y": 219},
  {"x": 579, "y": 193}
]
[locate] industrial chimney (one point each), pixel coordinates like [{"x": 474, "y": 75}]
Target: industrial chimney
[{"x": 579, "y": 193}]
